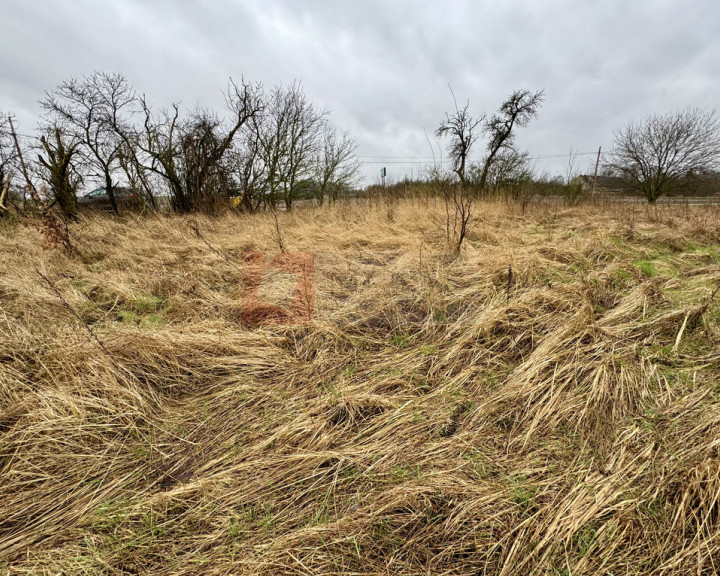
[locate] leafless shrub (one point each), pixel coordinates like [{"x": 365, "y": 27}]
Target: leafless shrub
[
  {"x": 192, "y": 156},
  {"x": 55, "y": 232}
]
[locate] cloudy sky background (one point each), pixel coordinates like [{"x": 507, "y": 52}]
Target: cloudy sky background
[{"x": 383, "y": 68}]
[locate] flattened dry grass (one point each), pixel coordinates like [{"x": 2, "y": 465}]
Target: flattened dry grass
[{"x": 431, "y": 420}]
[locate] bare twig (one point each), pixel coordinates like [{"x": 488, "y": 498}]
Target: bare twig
[
  {"x": 509, "y": 282},
  {"x": 707, "y": 304},
  {"x": 196, "y": 229},
  {"x": 72, "y": 310},
  {"x": 277, "y": 230}
]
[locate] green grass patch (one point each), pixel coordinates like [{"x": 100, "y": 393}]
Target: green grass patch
[{"x": 646, "y": 267}]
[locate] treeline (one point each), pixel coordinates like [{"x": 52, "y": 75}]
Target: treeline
[
  {"x": 268, "y": 147},
  {"x": 274, "y": 146}
]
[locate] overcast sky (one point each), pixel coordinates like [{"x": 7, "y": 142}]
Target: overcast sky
[{"x": 383, "y": 68}]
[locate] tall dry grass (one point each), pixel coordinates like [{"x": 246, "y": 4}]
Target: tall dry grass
[{"x": 433, "y": 419}]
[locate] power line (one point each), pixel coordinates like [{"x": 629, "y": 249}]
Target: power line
[
  {"x": 430, "y": 159},
  {"x": 560, "y": 155},
  {"x": 26, "y": 135}
]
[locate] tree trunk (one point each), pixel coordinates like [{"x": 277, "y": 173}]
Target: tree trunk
[{"x": 111, "y": 193}]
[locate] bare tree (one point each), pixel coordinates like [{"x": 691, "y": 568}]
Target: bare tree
[
  {"x": 511, "y": 176},
  {"x": 516, "y": 112},
  {"x": 269, "y": 145},
  {"x": 131, "y": 158},
  {"x": 288, "y": 140},
  {"x": 658, "y": 154},
  {"x": 336, "y": 167},
  {"x": 268, "y": 148},
  {"x": 303, "y": 142},
  {"x": 136, "y": 171},
  {"x": 462, "y": 129},
  {"x": 159, "y": 143},
  {"x": 58, "y": 170},
  {"x": 89, "y": 110},
  {"x": 206, "y": 172},
  {"x": 250, "y": 171}
]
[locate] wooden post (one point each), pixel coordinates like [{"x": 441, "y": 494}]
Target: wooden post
[
  {"x": 597, "y": 164},
  {"x": 20, "y": 156}
]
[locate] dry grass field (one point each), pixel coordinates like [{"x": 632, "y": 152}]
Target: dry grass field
[{"x": 434, "y": 418}]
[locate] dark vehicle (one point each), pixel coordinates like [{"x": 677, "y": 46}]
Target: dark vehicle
[{"x": 99, "y": 199}]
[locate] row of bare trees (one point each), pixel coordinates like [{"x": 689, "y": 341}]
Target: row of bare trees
[{"x": 269, "y": 147}]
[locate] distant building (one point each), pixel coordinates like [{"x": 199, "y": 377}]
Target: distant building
[
  {"x": 604, "y": 184},
  {"x": 704, "y": 184}
]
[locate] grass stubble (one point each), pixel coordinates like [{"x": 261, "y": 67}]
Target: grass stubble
[{"x": 434, "y": 418}]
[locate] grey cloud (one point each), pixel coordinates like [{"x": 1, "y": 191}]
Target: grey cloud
[{"x": 383, "y": 68}]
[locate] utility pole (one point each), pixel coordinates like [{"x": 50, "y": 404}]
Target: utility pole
[
  {"x": 20, "y": 154},
  {"x": 597, "y": 165}
]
